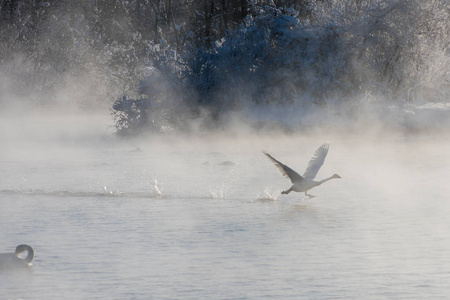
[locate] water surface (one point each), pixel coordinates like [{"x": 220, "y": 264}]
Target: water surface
[{"x": 215, "y": 226}]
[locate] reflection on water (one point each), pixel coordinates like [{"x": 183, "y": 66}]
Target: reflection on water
[
  {"x": 154, "y": 224},
  {"x": 300, "y": 207}
]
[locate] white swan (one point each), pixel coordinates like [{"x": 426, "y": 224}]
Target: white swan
[
  {"x": 307, "y": 182},
  {"x": 14, "y": 261}
]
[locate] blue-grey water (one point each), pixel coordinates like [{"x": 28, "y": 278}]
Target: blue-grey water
[{"x": 204, "y": 220}]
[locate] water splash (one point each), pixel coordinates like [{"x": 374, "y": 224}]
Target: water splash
[
  {"x": 217, "y": 191},
  {"x": 111, "y": 192},
  {"x": 156, "y": 190},
  {"x": 270, "y": 194}
]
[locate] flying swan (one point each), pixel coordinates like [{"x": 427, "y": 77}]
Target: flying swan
[
  {"x": 14, "y": 261},
  {"x": 307, "y": 182}
]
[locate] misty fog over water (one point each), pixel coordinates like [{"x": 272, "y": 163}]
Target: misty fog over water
[
  {"x": 189, "y": 218},
  {"x": 132, "y": 136}
]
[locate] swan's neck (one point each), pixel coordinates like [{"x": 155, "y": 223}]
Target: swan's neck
[
  {"x": 325, "y": 180},
  {"x": 30, "y": 252},
  {"x": 30, "y": 255}
]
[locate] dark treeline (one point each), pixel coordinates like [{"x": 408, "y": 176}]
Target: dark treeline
[{"x": 167, "y": 62}]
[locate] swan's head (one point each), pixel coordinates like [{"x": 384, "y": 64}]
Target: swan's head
[
  {"x": 336, "y": 176},
  {"x": 30, "y": 252},
  {"x": 22, "y": 248}
]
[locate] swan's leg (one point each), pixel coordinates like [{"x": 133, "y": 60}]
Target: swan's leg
[
  {"x": 309, "y": 195},
  {"x": 287, "y": 192}
]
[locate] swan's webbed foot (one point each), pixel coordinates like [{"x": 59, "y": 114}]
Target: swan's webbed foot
[{"x": 310, "y": 196}]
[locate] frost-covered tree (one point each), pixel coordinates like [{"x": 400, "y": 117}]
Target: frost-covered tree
[
  {"x": 307, "y": 54},
  {"x": 201, "y": 59}
]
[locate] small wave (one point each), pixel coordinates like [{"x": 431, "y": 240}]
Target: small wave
[
  {"x": 111, "y": 192},
  {"x": 227, "y": 163},
  {"x": 105, "y": 193}
]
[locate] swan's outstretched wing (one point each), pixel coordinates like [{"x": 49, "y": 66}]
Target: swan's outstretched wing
[
  {"x": 285, "y": 170},
  {"x": 316, "y": 162}
]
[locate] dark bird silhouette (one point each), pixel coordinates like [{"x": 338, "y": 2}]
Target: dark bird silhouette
[{"x": 14, "y": 261}]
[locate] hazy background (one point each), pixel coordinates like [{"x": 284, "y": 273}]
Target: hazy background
[
  {"x": 190, "y": 67},
  {"x": 131, "y": 139}
]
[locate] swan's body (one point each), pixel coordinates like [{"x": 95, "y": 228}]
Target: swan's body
[
  {"x": 306, "y": 182},
  {"x": 14, "y": 261}
]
